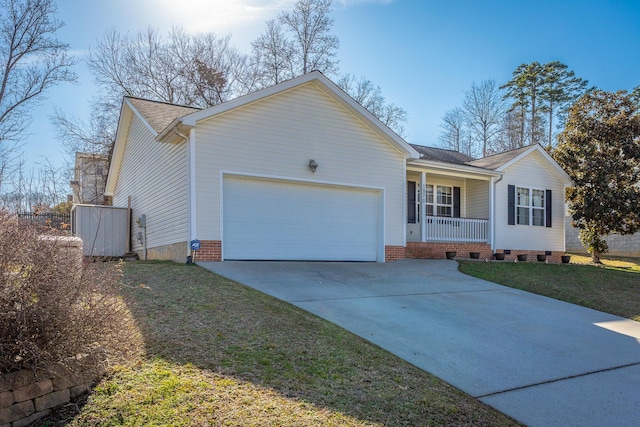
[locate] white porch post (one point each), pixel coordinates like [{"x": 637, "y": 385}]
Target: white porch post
[{"x": 423, "y": 206}]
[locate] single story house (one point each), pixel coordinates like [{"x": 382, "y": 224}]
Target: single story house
[{"x": 300, "y": 171}]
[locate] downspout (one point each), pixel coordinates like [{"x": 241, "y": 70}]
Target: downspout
[
  {"x": 186, "y": 139},
  {"x": 492, "y": 213}
]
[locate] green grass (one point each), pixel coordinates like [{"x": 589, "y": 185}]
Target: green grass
[
  {"x": 219, "y": 353},
  {"x": 613, "y": 287}
]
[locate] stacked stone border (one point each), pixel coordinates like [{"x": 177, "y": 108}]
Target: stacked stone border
[{"x": 27, "y": 396}]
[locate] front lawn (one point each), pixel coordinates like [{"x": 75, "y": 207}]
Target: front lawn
[
  {"x": 219, "y": 353},
  {"x": 613, "y": 287}
]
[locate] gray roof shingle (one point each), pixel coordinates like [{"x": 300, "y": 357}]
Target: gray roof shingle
[
  {"x": 159, "y": 114},
  {"x": 441, "y": 155},
  {"x": 494, "y": 161}
]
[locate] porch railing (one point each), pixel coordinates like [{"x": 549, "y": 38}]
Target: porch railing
[{"x": 445, "y": 229}]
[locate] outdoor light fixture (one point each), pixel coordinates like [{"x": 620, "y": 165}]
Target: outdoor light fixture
[{"x": 313, "y": 165}]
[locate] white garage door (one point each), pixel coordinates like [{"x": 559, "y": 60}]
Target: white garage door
[{"x": 276, "y": 220}]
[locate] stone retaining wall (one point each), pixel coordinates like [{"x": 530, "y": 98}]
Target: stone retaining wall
[
  {"x": 628, "y": 245},
  {"x": 26, "y": 396}
]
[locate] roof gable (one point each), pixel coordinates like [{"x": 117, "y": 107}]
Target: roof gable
[
  {"x": 324, "y": 84},
  {"x": 501, "y": 161}
]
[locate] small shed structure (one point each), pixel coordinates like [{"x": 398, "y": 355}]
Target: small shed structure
[{"x": 104, "y": 230}]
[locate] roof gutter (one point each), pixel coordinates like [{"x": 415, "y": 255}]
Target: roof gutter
[
  {"x": 170, "y": 130},
  {"x": 451, "y": 167}
]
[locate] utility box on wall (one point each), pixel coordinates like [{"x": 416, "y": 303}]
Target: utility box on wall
[{"x": 103, "y": 229}]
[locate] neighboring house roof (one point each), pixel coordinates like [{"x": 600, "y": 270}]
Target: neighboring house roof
[
  {"x": 494, "y": 161},
  {"x": 159, "y": 114},
  {"x": 442, "y": 155}
]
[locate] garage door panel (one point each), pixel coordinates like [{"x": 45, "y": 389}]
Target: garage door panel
[{"x": 283, "y": 220}]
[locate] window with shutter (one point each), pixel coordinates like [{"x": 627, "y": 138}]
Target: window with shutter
[{"x": 529, "y": 206}]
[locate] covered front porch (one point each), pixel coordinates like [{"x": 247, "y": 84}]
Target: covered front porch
[{"x": 448, "y": 206}]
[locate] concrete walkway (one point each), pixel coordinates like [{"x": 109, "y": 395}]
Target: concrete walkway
[{"x": 541, "y": 361}]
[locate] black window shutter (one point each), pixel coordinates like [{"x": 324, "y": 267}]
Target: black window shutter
[
  {"x": 456, "y": 202},
  {"x": 511, "y": 201},
  {"x": 547, "y": 207},
  {"x": 411, "y": 202}
]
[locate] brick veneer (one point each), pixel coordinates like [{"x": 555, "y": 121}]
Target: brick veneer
[
  {"x": 532, "y": 255},
  {"x": 438, "y": 250},
  {"x": 394, "y": 253},
  {"x": 210, "y": 250}
]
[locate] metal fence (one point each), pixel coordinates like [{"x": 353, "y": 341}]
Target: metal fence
[{"x": 52, "y": 220}]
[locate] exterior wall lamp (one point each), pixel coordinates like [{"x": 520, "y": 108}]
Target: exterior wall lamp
[{"x": 313, "y": 165}]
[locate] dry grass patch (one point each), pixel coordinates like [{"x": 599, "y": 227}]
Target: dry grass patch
[
  {"x": 613, "y": 287},
  {"x": 220, "y": 353}
]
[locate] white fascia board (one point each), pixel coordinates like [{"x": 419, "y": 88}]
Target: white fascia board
[
  {"x": 126, "y": 114},
  {"x": 330, "y": 88},
  {"x": 537, "y": 148},
  {"x": 462, "y": 171}
]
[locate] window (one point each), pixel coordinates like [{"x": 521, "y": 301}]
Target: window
[
  {"x": 530, "y": 206},
  {"x": 441, "y": 202}
]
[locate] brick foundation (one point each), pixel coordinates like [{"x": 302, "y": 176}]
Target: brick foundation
[
  {"x": 436, "y": 250},
  {"x": 394, "y": 253},
  {"x": 554, "y": 258},
  {"x": 210, "y": 250}
]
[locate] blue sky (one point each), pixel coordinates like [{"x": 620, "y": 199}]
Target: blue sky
[{"x": 423, "y": 54}]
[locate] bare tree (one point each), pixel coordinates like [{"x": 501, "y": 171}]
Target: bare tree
[
  {"x": 314, "y": 48},
  {"x": 32, "y": 60},
  {"x": 196, "y": 70},
  {"x": 453, "y": 131},
  {"x": 273, "y": 55},
  {"x": 484, "y": 108},
  {"x": 35, "y": 189},
  {"x": 367, "y": 94}
]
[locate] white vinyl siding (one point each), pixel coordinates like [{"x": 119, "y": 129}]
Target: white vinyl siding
[
  {"x": 477, "y": 199},
  {"x": 277, "y": 136},
  {"x": 531, "y": 172},
  {"x": 154, "y": 174}
]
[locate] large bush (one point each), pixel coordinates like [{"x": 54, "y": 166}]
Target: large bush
[{"x": 54, "y": 307}]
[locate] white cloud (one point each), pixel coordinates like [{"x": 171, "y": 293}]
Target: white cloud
[{"x": 218, "y": 16}]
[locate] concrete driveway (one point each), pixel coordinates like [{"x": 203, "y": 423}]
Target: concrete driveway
[{"x": 541, "y": 361}]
